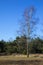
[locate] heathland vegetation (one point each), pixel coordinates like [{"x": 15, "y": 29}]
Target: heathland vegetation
[{"x": 19, "y": 46}]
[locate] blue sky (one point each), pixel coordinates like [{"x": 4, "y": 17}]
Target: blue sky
[{"x": 11, "y": 12}]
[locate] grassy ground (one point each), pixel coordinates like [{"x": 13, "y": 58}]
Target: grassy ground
[
  {"x": 22, "y": 57},
  {"x": 34, "y": 59}
]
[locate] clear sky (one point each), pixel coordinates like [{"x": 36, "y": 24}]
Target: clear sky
[{"x": 11, "y": 12}]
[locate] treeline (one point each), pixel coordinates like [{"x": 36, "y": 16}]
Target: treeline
[{"x": 20, "y": 46}]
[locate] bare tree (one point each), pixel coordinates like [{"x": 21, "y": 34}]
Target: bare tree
[{"x": 28, "y": 24}]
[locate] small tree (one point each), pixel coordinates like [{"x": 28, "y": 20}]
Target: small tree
[{"x": 28, "y": 25}]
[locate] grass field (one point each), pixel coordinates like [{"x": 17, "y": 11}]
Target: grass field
[
  {"x": 34, "y": 59},
  {"x": 22, "y": 57}
]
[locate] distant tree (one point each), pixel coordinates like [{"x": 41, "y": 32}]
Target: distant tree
[{"x": 2, "y": 46}]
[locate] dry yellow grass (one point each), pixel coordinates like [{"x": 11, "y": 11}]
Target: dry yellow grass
[
  {"x": 34, "y": 59},
  {"x": 22, "y": 57}
]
